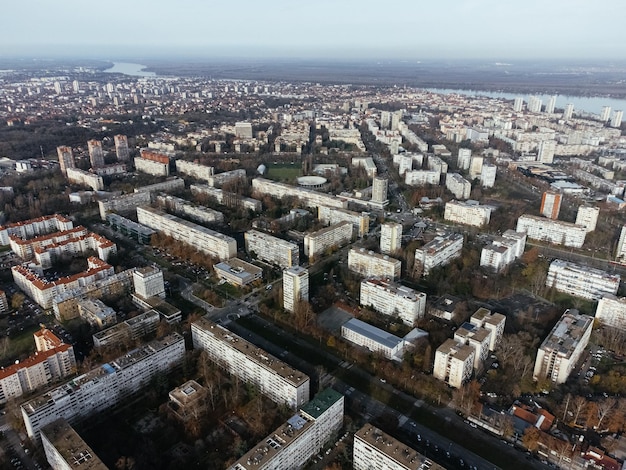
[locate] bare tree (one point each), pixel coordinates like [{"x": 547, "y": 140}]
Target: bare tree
[
  {"x": 578, "y": 406},
  {"x": 604, "y": 407}
]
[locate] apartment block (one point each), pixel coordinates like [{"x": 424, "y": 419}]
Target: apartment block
[
  {"x": 227, "y": 198},
  {"x": 35, "y": 227},
  {"x": 85, "y": 178},
  {"x": 195, "y": 212},
  {"x": 148, "y": 282},
  {"x": 454, "y": 363},
  {"x": 66, "y": 450},
  {"x": 478, "y": 338},
  {"x": 611, "y": 311},
  {"x": 581, "y": 281},
  {"x": 295, "y": 287},
  {"x": 220, "y": 179},
  {"x": 237, "y": 272},
  {"x": 468, "y": 213},
  {"x": 171, "y": 184},
  {"x": 379, "y": 190},
  {"x": 103, "y": 387},
  {"x": 422, "y": 177},
  {"x": 376, "y": 450},
  {"x": 197, "y": 170},
  {"x": 300, "y": 438},
  {"x": 66, "y": 158},
  {"x": 203, "y": 239},
  {"x": 587, "y": 216},
  {"x": 458, "y": 186},
  {"x": 96, "y": 313},
  {"x": 129, "y": 330},
  {"x": 330, "y": 216},
  {"x": 552, "y": 231},
  {"x": 152, "y": 167},
  {"x": 271, "y": 249},
  {"x": 464, "y": 158},
  {"x": 390, "y": 238},
  {"x": 125, "y": 204},
  {"x": 275, "y": 379},
  {"x": 367, "y": 163},
  {"x": 96, "y": 155},
  {"x": 307, "y": 197},
  {"x": 130, "y": 228},
  {"x": 370, "y": 264},
  {"x": 393, "y": 299},
  {"x": 491, "y": 321},
  {"x": 503, "y": 250},
  {"x": 438, "y": 252},
  {"x": 488, "y": 176},
  {"x": 121, "y": 148},
  {"x": 560, "y": 351},
  {"x": 335, "y": 236}
]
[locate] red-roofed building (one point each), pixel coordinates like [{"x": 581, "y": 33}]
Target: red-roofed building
[
  {"x": 46, "y": 340},
  {"x": 601, "y": 459}
]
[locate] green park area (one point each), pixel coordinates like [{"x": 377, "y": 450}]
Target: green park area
[{"x": 284, "y": 171}]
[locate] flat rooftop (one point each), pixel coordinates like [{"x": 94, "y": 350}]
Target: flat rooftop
[
  {"x": 375, "y": 334},
  {"x": 71, "y": 446}
]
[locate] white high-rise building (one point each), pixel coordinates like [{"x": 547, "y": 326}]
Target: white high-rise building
[
  {"x": 379, "y": 190},
  {"x": 581, "y": 281},
  {"x": 611, "y": 311},
  {"x": 605, "y": 115},
  {"x": 616, "y": 120},
  {"x": 121, "y": 148},
  {"x": 438, "y": 252},
  {"x": 459, "y": 186},
  {"x": 468, "y": 213},
  {"x": 476, "y": 166},
  {"x": 96, "y": 155},
  {"x": 148, "y": 282},
  {"x": 493, "y": 322},
  {"x": 553, "y": 231},
  {"x": 551, "y": 105},
  {"x": 534, "y": 104},
  {"x": 620, "y": 254},
  {"x": 569, "y": 111},
  {"x": 393, "y": 299},
  {"x": 376, "y": 450},
  {"x": 385, "y": 119},
  {"x": 359, "y": 220},
  {"x": 328, "y": 238},
  {"x": 272, "y": 249},
  {"x": 464, "y": 158},
  {"x": 454, "y": 363},
  {"x": 390, "y": 238},
  {"x": 370, "y": 264},
  {"x": 275, "y": 379},
  {"x": 587, "y": 216},
  {"x": 563, "y": 347},
  {"x": 422, "y": 177},
  {"x": 545, "y": 151},
  {"x": 295, "y": 287},
  {"x": 243, "y": 130},
  {"x": 66, "y": 450},
  {"x": 488, "y": 176},
  {"x": 503, "y": 250},
  {"x": 518, "y": 104}
]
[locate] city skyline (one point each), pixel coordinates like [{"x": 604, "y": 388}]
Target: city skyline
[{"x": 453, "y": 29}]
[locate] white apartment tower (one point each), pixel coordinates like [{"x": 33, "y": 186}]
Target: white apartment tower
[
  {"x": 370, "y": 264},
  {"x": 328, "y": 238},
  {"x": 96, "y": 155},
  {"x": 438, "y": 252},
  {"x": 121, "y": 148},
  {"x": 148, "y": 282},
  {"x": 568, "y": 112},
  {"x": 459, "y": 186},
  {"x": 611, "y": 311},
  {"x": 581, "y": 281},
  {"x": 488, "y": 176},
  {"x": 545, "y": 151},
  {"x": 390, "y": 238},
  {"x": 620, "y": 254},
  {"x": 272, "y": 249},
  {"x": 616, "y": 120},
  {"x": 534, "y": 104},
  {"x": 392, "y": 298},
  {"x": 550, "y": 205},
  {"x": 379, "y": 190},
  {"x": 587, "y": 216},
  {"x": 295, "y": 287},
  {"x": 454, "y": 363},
  {"x": 464, "y": 158},
  {"x": 551, "y": 105},
  {"x": 518, "y": 104},
  {"x": 605, "y": 115}
]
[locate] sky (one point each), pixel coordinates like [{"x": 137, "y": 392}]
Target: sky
[{"x": 403, "y": 29}]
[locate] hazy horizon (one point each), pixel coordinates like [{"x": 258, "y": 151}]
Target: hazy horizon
[{"x": 362, "y": 30}]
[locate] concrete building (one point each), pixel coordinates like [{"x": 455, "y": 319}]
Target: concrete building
[
  {"x": 195, "y": 212},
  {"x": 551, "y": 105},
  {"x": 85, "y": 178},
  {"x": 611, "y": 311},
  {"x": 422, "y": 178},
  {"x": 393, "y": 299},
  {"x": 605, "y": 115},
  {"x": 458, "y": 186},
  {"x": 552, "y": 231},
  {"x": 550, "y": 205},
  {"x": 476, "y": 337},
  {"x": 464, "y": 158},
  {"x": 379, "y": 190},
  {"x": 518, "y": 103},
  {"x": 390, "y": 237},
  {"x": 488, "y": 176},
  {"x": 300, "y": 438},
  {"x": 376, "y": 450},
  {"x": 35, "y": 227},
  {"x": 307, "y": 197},
  {"x": 376, "y": 340},
  {"x": 237, "y": 272},
  {"x": 568, "y": 112},
  {"x": 581, "y": 281},
  {"x": 96, "y": 155},
  {"x": 330, "y": 216},
  {"x": 546, "y": 151},
  {"x": 124, "y": 204},
  {"x": 616, "y": 120},
  {"x": 367, "y": 163},
  {"x": 121, "y": 148},
  {"x": 196, "y": 170},
  {"x": 468, "y": 213},
  {"x": 271, "y": 249},
  {"x": 493, "y": 322},
  {"x": 275, "y": 379},
  {"x": 370, "y": 264},
  {"x": 587, "y": 216},
  {"x": 502, "y": 251},
  {"x": 454, "y": 363},
  {"x": 96, "y": 313},
  {"x": 103, "y": 387},
  {"x": 66, "y": 158},
  {"x": 295, "y": 287},
  {"x": 207, "y": 241},
  {"x": 438, "y": 252},
  {"x": 227, "y": 198},
  {"x": 127, "y": 331},
  {"x": 319, "y": 242},
  {"x": 476, "y": 166},
  {"x": 189, "y": 401},
  {"x": 620, "y": 253},
  {"x": 171, "y": 184},
  {"x": 220, "y": 179},
  {"x": 243, "y": 130},
  {"x": 560, "y": 351},
  {"x": 148, "y": 282},
  {"x": 152, "y": 167},
  {"x": 534, "y": 104},
  {"x": 130, "y": 228},
  {"x": 66, "y": 450}
]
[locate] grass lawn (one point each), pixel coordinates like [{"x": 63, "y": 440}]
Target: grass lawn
[{"x": 284, "y": 171}]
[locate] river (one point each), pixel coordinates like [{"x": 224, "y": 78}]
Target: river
[{"x": 128, "y": 68}]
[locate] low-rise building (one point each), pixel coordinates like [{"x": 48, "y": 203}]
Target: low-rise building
[
  {"x": 581, "y": 281},
  {"x": 309, "y": 198},
  {"x": 335, "y": 236},
  {"x": 438, "y": 252},
  {"x": 237, "y": 272},
  {"x": 560, "y": 351},
  {"x": 130, "y": 228},
  {"x": 393, "y": 299},
  {"x": 372, "y": 338},
  {"x": 96, "y": 313},
  {"x": 275, "y": 379},
  {"x": 370, "y": 264}
]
